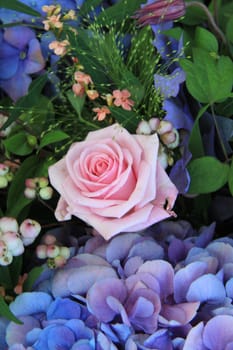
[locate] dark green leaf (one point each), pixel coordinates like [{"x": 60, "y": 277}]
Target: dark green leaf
[
  {"x": 15, "y": 269},
  {"x": 16, "y": 200},
  {"x": 128, "y": 119},
  {"x": 32, "y": 277},
  {"x": 18, "y": 6},
  {"x": 207, "y": 175},
  {"x": 195, "y": 140},
  {"x": 230, "y": 178},
  {"x": 5, "y": 277},
  {"x": 6, "y": 312}
]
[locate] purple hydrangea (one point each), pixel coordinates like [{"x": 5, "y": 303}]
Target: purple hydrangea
[
  {"x": 20, "y": 57},
  {"x": 168, "y": 288}
]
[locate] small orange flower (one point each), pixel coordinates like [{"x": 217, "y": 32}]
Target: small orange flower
[
  {"x": 59, "y": 47},
  {"x": 53, "y": 22},
  {"x": 51, "y": 9},
  {"x": 82, "y": 78},
  {"x": 122, "y": 99},
  {"x": 101, "y": 112},
  {"x": 92, "y": 94},
  {"x": 78, "y": 89}
]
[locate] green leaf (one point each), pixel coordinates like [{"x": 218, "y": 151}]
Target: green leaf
[
  {"x": 18, "y": 144},
  {"x": 76, "y": 101},
  {"x": 195, "y": 139},
  {"x": 16, "y": 268},
  {"x": 16, "y": 201},
  {"x": 18, "y": 6},
  {"x": 230, "y": 178},
  {"x": 87, "y": 6},
  {"x": 205, "y": 40},
  {"x": 128, "y": 119},
  {"x": 6, "y": 312},
  {"x": 208, "y": 79},
  {"x": 207, "y": 175},
  {"x": 32, "y": 277},
  {"x": 229, "y": 30},
  {"x": 53, "y": 137},
  {"x": 5, "y": 277}
]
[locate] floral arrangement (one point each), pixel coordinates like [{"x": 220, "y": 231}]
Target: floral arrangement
[{"x": 116, "y": 175}]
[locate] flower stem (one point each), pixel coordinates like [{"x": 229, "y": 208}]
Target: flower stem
[{"x": 210, "y": 17}]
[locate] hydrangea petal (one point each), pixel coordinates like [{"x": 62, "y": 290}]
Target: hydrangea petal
[
  {"x": 218, "y": 332},
  {"x": 97, "y": 297},
  {"x": 16, "y": 333},
  {"x": 30, "y": 303},
  {"x": 206, "y": 288}
]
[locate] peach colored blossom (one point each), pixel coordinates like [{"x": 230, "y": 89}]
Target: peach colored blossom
[
  {"x": 114, "y": 182},
  {"x": 82, "y": 78},
  {"x": 78, "y": 89},
  {"x": 59, "y": 47},
  {"x": 53, "y": 22},
  {"x": 70, "y": 15},
  {"x": 101, "y": 112},
  {"x": 51, "y": 9},
  {"x": 122, "y": 99},
  {"x": 92, "y": 94}
]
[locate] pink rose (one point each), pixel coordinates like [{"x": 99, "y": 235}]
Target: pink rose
[{"x": 114, "y": 182}]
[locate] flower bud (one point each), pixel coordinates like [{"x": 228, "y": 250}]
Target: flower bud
[
  {"x": 168, "y": 138},
  {"x": 43, "y": 181},
  {"x": 52, "y": 251},
  {"x": 46, "y": 193},
  {"x": 30, "y": 193},
  {"x": 164, "y": 126},
  {"x": 176, "y": 142},
  {"x": 65, "y": 252},
  {"x": 154, "y": 123},
  {"x": 31, "y": 183},
  {"x": 143, "y": 128},
  {"x": 3, "y": 182},
  {"x": 29, "y": 230},
  {"x": 41, "y": 251},
  {"x": 13, "y": 242},
  {"x": 32, "y": 140},
  {"x": 4, "y": 169},
  {"x": 8, "y": 224}
]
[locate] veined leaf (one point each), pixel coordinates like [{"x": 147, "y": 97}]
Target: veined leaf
[{"x": 207, "y": 175}]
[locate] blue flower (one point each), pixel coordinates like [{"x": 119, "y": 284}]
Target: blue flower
[{"x": 20, "y": 56}]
